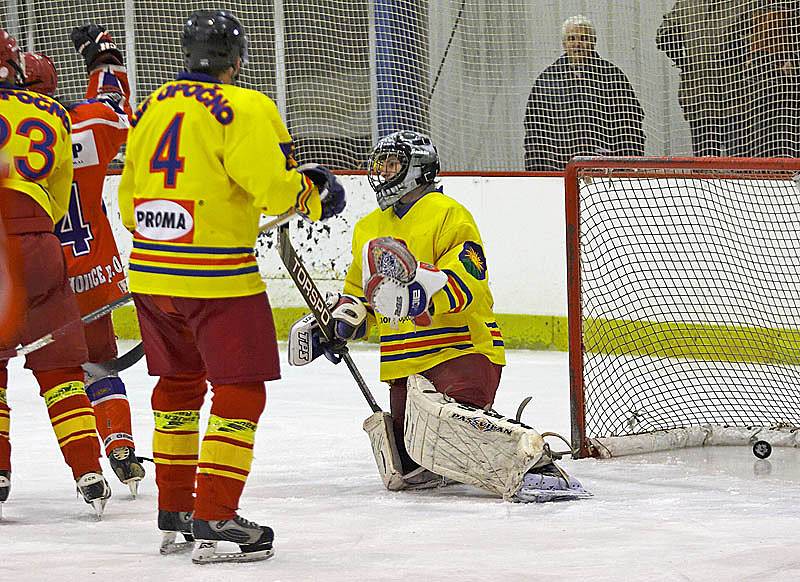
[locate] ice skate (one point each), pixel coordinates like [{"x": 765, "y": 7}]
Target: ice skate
[
  {"x": 95, "y": 491},
  {"x": 5, "y": 488},
  {"x": 172, "y": 523},
  {"x": 127, "y": 467},
  {"x": 549, "y": 483},
  {"x": 254, "y": 541}
]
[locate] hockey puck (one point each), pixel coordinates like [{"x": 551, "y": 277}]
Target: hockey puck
[{"x": 762, "y": 449}]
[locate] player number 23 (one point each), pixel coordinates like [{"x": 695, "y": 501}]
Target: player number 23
[{"x": 43, "y": 138}]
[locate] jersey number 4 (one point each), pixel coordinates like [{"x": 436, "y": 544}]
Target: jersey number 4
[
  {"x": 166, "y": 158},
  {"x": 73, "y": 230}
]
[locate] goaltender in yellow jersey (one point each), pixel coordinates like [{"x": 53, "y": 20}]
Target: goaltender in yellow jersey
[
  {"x": 439, "y": 231},
  {"x": 194, "y": 209}
]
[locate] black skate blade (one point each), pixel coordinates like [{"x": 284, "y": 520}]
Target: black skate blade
[
  {"x": 205, "y": 553},
  {"x": 170, "y": 546}
]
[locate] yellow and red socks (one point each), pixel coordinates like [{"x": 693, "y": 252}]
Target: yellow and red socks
[
  {"x": 176, "y": 406},
  {"x": 72, "y": 417},
  {"x": 5, "y": 425},
  {"x": 227, "y": 451}
]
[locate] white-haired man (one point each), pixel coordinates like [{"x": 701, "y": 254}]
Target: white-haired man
[{"x": 581, "y": 105}]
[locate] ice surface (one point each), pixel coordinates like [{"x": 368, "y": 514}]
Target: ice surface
[{"x": 702, "y": 514}]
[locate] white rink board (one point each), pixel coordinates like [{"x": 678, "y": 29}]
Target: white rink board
[{"x": 521, "y": 220}]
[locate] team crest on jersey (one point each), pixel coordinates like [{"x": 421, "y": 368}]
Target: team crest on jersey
[
  {"x": 473, "y": 259},
  {"x": 165, "y": 220}
]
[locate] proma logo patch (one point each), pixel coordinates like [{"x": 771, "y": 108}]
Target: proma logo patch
[{"x": 168, "y": 220}]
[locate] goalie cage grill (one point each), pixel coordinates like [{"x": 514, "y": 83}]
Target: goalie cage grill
[{"x": 683, "y": 280}]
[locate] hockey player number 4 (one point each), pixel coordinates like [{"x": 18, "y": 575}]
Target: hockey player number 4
[
  {"x": 73, "y": 230},
  {"x": 166, "y": 158}
]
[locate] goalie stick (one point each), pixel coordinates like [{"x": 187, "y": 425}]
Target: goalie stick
[
  {"x": 54, "y": 335},
  {"x": 316, "y": 302}
]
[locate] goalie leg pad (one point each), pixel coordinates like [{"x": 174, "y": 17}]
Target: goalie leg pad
[
  {"x": 384, "y": 448},
  {"x": 468, "y": 444},
  {"x": 381, "y": 437}
]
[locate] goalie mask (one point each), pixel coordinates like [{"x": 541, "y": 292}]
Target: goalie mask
[
  {"x": 401, "y": 162},
  {"x": 212, "y": 41},
  {"x": 40, "y": 74}
]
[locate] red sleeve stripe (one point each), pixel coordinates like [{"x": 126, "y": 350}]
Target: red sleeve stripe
[{"x": 304, "y": 194}]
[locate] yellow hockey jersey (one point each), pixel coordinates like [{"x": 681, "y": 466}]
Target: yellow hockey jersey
[
  {"x": 35, "y": 140},
  {"x": 204, "y": 160},
  {"x": 440, "y": 231}
]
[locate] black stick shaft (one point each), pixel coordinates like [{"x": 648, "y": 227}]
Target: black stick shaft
[{"x": 313, "y": 298}]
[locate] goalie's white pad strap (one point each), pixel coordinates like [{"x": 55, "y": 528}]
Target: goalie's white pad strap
[
  {"x": 381, "y": 437},
  {"x": 467, "y": 444}
]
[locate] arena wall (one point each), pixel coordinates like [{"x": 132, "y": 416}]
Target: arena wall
[{"x": 521, "y": 219}]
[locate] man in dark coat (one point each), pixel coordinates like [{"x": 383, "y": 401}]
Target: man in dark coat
[{"x": 581, "y": 105}]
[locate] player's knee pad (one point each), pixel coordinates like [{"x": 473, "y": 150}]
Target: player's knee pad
[
  {"x": 104, "y": 389},
  {"x": 468, "y": 444}
]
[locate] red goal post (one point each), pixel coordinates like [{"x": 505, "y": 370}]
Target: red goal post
[{"x": 683, "y": 284}]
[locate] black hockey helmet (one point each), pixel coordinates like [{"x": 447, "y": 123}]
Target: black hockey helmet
[{"x": 212, "y": 41}]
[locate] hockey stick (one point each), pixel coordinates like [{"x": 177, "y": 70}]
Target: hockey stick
[
  {"x": 129, "y": 358},
  {"x": 279, "y": 220},
  {"x": 136, "y": 353},
  {"x": 61, "y": 331},
  {"x": 305, "y": 284},
  {"x": 115, "y": 365}
]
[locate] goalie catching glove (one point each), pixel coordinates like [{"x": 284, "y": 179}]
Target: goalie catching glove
[
  {"x": 396, "y": 284},
  {"x": 331, "y": 191},
  {"x": 95, "y": 45},
  {"x": 307, "y": 342}
]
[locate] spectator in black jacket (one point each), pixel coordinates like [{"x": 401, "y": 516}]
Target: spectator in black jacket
[
  {"x": 696, "y": 36},
  {"x": 767, "y": 42},
  {"x": 581, "y": 105}
]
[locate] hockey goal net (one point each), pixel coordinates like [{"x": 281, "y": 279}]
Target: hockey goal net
[{"x": 684, "y": 302}]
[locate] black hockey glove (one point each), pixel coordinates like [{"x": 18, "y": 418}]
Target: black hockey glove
[
  {"x": 95, "y": 45},
  {"x": 331, "y": 191}
]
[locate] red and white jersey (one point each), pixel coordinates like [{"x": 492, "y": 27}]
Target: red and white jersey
[{"x": 99, "y": 128}]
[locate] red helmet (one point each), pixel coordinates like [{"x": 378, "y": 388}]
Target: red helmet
[
  {"x": 11, "y": 67},
  {"x": 40, "y": 74}
]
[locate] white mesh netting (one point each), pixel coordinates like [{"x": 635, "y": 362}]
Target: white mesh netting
[
  {"x": 703, "y": 77},
  {"x": 689, "y": 299}
]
